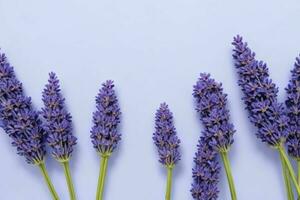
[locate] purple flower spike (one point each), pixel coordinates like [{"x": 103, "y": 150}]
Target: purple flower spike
[
  {"x": 260, "y": 95},
  {"x": 106, "y": 119},
  {"x": 58, "y": 123},
  {"x": 165, "y": 137},
  {"x": 206, "y": 172},
  {"x": 293, "y": 111},
  {"x": 18, "y": 118},
  {"x": 211, "y": 104}
]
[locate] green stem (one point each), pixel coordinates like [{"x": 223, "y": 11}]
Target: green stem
[
  {"x": 285, "y": 172},
  {"x": 102, "y": 175},
  {"x": 298, "y": 166},
  {"x": 69, "y": 180},
  {"x": 42, "y": 167},
  {"x": 290, "y": 168},
  {"x": 169, "y": 182},
  {"x": 290, "y": 188},
  {"x": 227, "y": 167}
]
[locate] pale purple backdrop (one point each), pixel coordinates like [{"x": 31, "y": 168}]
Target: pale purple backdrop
[{"x": 154, "y": 50}]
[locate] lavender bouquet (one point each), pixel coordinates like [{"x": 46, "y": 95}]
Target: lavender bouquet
[
  {"x": 167, "y": 143},
  {"x": 21, "y": 122},
  {"x": 58, "y": 125},
  {"x": 211, "y": 105},
  {"x": 265, "y": 112},
  {"x": 104, "y": 134}
]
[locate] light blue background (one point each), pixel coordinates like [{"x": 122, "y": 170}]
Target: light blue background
[{"x": 154, "y": 50}]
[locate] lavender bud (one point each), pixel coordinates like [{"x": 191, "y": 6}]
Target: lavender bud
[
  {"x": 165, "y": 137},
  {"x": 211, "y": 105},
  {"x": 205, "y": 172},
  {"x": 106, "y": 119},
  {"x": 260, "y": 95},
  {"x": 293, "y": 111},
  {"x": 58, "y": 123},
  {"x": 18, "y": 118}
]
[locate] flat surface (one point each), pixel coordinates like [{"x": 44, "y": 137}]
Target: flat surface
[{"x": 154, "y": 50}]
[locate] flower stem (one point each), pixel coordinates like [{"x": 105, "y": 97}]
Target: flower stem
[
  {"x": 227, "y": 167},
  {"x": 285, "y": 172},
  {"x": 69, "y": 180},
  {"x": 169, "y": 182},
  {"x": 102, "y": 175},
  {"x": 42, "y": 167},
  {"x": 290, "y": 168},
  {"x": 298, "y": 166},
  {"x": 290, "y": 189}
]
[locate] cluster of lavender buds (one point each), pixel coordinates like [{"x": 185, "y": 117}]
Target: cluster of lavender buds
[
  {"x": 260, "y": 95},
  {"x": 58, "y": 123},
  {"x": 104, "y": 133},
  {"x": 165, "y": 137},
  {"x": 17, "y": 116},
  {"x": 211, "y": 104},
  {"x": 293, "y": 111},
  {"x": 206, "y": 172}
]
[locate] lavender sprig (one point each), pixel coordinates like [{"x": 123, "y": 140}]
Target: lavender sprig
[
  {"x": 104, "y": 134},
  {"x": 260, "y": 96},
  {"x": 167, "y": 142},
  {"x": 20, "y": 121},
  {"x": 58, "y": 121},
  {"x": 165, "y": 137},
  {"x": 18, "y": 118},
  {"x": 58, "y": 125},
  {"x": 205, "y": 172},
  {"x": 293, "y": 111},
  {"x": 212, "y": 106}
]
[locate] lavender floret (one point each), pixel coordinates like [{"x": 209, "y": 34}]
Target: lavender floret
[
  {"x": 205, "y": 172},
  {"x": 260, "y": 95},
  {"x": 293, "y": 111},
  {"x": 165, "y": 137},
  {"x": 58, "y": 123},
  {"x": 104, "y": 134},
  {"x": 211, "y": 104},
  {"x": 17, "y": 116}
]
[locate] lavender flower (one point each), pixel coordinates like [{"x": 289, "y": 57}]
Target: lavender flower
[
  {"x": 206, "y": 172},
  {"x": 165, "y": 137},
  {"x": 17, "y": 116},
  {"x": 167, "y": 142},
  {"x": 260, "y": 95},
  {"x": 57, "y": 121},
  {"x": 218, "y": 131},
  {"x": 211, "y": 104},
  {"x": 104, "y": 133},
  {"x": 293, "y": 111},
  {"x": 58, "y": 125},
  {"x": 21, "y": 122}
]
